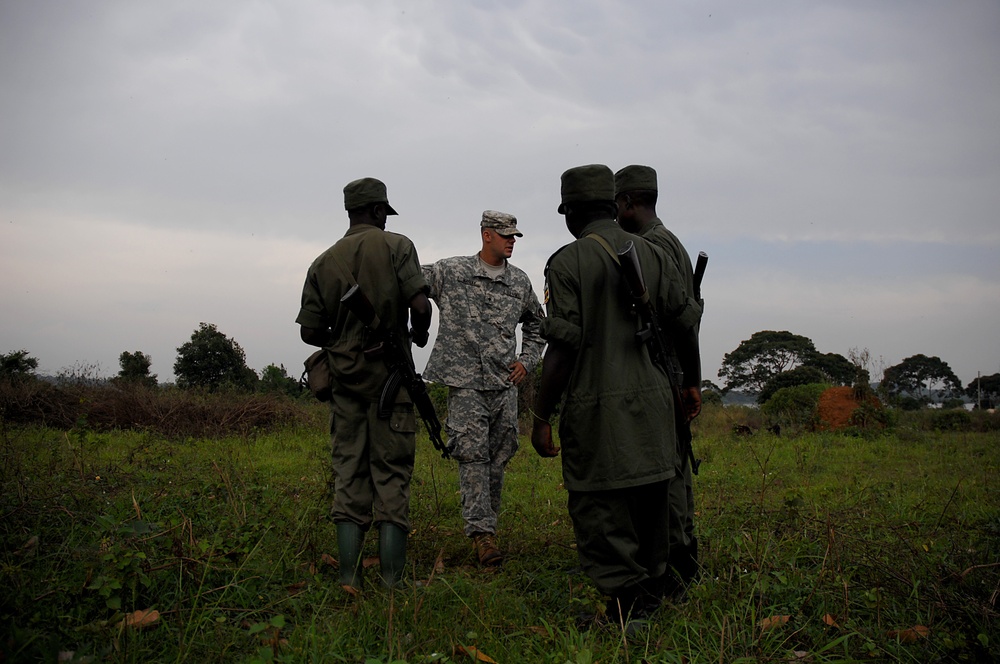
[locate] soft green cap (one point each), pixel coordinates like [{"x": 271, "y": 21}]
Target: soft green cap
[
  {"x": 595, "y": 182},
  {"x": 365, "y": 192},
  {"x": 635, "y": 178}
]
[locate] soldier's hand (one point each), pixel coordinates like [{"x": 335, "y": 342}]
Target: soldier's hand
[
  {"x": 419, "y": 338},
  {"x": 517, "y": 373},
  {"x": 691, "y": 396},
  {"x": 541, "y": 439}
]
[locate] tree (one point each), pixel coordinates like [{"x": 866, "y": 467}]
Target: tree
[
  {"x": 275, "y": 378},
  {"x": 988, "y": 386},
  {"x": 918, "y": 376},
  {"x": 135, "y": 368},
  {"x": 17, "y": 365},
  {"x": 709, "y": 386},
  {"x": 837, "y": 368},
  {"x": 212, "y": 360},
  {"x": 762, "y": 357},
  {"x": 803, "y": 375}
]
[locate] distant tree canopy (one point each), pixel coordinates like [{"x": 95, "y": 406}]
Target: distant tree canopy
[
  {"x": 988, "y": 386},
  {"x": 17, "y": 364},
  {"x": 212, "y": 360},
  {"x": 762, "y": 357},
  {"x": 801, "y": 375},
  {"x": 837, "y": 368},
  {"x": 135, "y": 368},
  {"x": 918, "y": 376}
]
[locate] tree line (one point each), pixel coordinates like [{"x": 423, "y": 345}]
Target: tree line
[
  {"x": 771, "y": 360},
  {"x": 761, "y": 365},
  {"x": 210, "y": 360}
]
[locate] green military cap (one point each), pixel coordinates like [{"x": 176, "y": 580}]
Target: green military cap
[
  {"x": 501, "y": 222},
  {"x": 635, "y": 178},
  {"x": 365, "y": 192},
  {"x": 595, "y": 182}
]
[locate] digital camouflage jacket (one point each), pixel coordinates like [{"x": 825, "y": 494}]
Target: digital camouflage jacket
[{"x": 476, "y": 341}]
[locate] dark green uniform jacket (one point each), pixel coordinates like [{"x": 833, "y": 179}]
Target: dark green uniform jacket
[
  {"x": 616, "y": 422},
  {"x": 386, "y": 267}
]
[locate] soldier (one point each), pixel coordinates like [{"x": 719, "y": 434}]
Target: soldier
[
  {"x": 482, "y": 298},
  {"x": 618, "y": 459},
  {"x": 372, "y": 457},
  {"x": 636, "y": 193}
]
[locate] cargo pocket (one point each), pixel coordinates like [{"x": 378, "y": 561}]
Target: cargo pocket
[{"x": 403, "y": 419}]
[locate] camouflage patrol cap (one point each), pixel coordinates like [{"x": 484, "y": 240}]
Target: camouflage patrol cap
[
  {"x": 635, "y": 178},
  {"x": 595, "y": 182},
  {"x": 503, "y": 223},
  {"x": 365, "y": 192}
]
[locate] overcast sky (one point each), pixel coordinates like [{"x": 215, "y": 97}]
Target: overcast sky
[{"x": 168, "y": 163}]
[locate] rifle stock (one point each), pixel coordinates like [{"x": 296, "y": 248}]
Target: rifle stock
[
  {"x": 400, "y": 366},
  {"x": 699, "y": 273}
]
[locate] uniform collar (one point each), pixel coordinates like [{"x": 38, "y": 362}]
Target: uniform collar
[
  {"x": 653, "y": 225},
  {"x": 362, "y": 228},
  {"x": 598, "y": 225}
]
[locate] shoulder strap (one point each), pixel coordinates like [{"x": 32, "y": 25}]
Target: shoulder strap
[
  {"x": 607, "y": 247},
  {"x": 344, "y": 273}
]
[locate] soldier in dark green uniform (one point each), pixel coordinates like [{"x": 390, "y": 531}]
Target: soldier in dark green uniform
[
  {"x": 618, "y": 459},
  {"x": 372, "y": 457},
  {"x": 636, "y": 193}
]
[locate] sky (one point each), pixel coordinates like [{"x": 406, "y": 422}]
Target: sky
[{"x": 171, "y": 163}]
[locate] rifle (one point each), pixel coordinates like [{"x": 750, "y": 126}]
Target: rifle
[
  {"x": 651, "y": 335},
  {"x": 699, "y": 273},
  {"x": 400, "y": 366}
]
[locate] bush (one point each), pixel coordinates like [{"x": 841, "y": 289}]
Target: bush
[
  {"x": 795, "y": 406},
  {"x": 710, "y": 397},
  {"x": 910, "y": 403},
  {"x": 871, "y": 416},
  {"x": 173, "y": 413},
  {"x": 804, "y": 375},
  {"x": 951, "y": 420}
]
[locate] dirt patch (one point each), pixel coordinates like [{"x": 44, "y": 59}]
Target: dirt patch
[{"x": 837, "y": 406}]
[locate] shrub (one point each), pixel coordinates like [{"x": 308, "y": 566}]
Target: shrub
[
  {"x": 804, "y": 375},
  {"x": 795, "y": 406},
  {"x": 173, "y": 413},
  {"x": 910, "y": 403},
  {"x": 710, "y": 397},
  {"x": 951, "y": 420}
]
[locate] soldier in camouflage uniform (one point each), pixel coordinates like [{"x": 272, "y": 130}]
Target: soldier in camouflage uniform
[
  {"x": 636, "y": 194},
  {"x": 482, "y": 298}
]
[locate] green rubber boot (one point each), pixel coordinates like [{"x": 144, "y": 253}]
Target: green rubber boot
[
  {"x": 391, "y": 553},
  {"x": 350, "y": 539}
]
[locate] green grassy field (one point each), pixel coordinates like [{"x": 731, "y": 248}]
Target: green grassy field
[{"x": 818, "y": 548}]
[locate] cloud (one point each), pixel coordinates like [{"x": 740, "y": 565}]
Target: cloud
[{"x": 212, "y": 142}]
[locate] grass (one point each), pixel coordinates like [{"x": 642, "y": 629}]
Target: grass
[{"x": 856, "y": 549}]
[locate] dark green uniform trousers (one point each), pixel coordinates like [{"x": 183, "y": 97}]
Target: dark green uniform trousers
[{"x": 622, "y": 536}]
